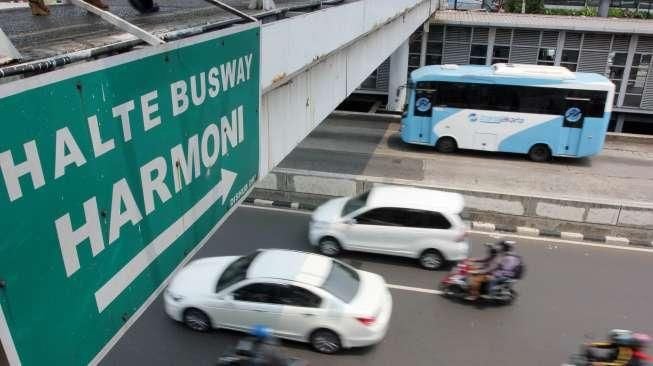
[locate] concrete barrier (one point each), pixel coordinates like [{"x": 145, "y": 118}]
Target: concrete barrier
[{"x": 546, "y": 214}]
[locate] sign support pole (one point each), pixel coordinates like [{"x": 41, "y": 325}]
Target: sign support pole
[
  {"x": 120, "y": 23},
  {"x": 230, "y": 9}
]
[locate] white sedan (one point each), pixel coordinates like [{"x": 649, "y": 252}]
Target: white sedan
[{"x": 300, "y": 296}]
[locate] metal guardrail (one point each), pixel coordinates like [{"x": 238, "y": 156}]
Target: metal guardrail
[{"x": 52, "y": 63}]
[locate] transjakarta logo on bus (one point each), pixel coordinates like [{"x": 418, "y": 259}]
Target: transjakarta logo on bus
[
  {"x": 475, "y": 117},
  {"x": 423, "y": 104},
  {"x": 573, "y": 114}
]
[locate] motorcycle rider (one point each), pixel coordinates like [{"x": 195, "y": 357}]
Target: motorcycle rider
[
  {"x": 623, "y": 348},
  {"x": 259, "y": 350},
  {"x": 507, "y": 264},
  {"x": 478, "y": 276}
]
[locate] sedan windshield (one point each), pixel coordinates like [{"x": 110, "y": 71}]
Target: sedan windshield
[
  {"x": 235, "y": 272},
  {"x": 355, "y": 203},
  {"x": 342, "y": 282}
]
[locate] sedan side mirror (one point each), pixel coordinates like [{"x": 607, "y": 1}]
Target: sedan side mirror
[
  {"x": 351, "y": 222},
  {"x": 226, "y": 297}
]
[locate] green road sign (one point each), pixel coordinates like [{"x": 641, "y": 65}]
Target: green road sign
[{"x": 113, "y": 172}]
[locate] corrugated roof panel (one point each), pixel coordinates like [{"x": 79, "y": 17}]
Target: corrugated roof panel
[
  {"x": 598, "y": 42},
  {"x": 503, "y": 37},
  {"x": 647, "y": 97},
  {"x": 645, "y": 44},
  {"x": 620, "y": 42},
  {"x": 549, "y": 39},
  {"x": 523, "y": 55},
  {"x": 593, "y": 61},
  {"x": 458, "y": 34},
  {"x": 480, "y": 35},
  {"x": 573, "y": 40},
  {"x": 526, "y": 37},
  {"x": 456, "y": 53}
]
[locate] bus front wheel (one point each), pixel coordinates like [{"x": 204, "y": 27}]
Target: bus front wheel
[
  {"x": 446, "y": 145},
  {"x": 539, "y": 153}
]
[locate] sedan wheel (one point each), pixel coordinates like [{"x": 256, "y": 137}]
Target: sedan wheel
[
  {"x": 325, "y": 341},
  {"x": 329, "y": 247},
  {"x": 197, "y": 320},
  {"x": 431, "y": 259}
]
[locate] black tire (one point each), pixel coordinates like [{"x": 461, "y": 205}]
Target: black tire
[
  {"x": 325, "y": 341},
  {"x": 539, "y": 153},
  {"x": 431, "y": 259},
  {"x": 197, "y": 320},
  {"x": 329, "y": 246},
  {"x": 446, "y": 145}
]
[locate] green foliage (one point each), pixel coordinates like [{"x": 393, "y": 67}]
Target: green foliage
[
  {"x": 532, "y": 6},
  {"x": 592, "y": 12}
]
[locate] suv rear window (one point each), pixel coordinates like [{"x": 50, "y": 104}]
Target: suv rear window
[
  {"x": 342, "y": 282},
  {"x": 236, "y": 271},
  {"x": 355, "y": 203}
]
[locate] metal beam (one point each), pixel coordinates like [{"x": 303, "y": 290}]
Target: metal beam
[
  {"x": 632, "y": 47},
  {"x": 424, "y": 44},
  {"x": 120, "y": 23},
  {"x": 231, "y": 9}
]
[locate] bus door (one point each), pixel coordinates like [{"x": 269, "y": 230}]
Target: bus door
[
  {"x": 424, "y": 115},
  {"x": 574, "y": 119}
]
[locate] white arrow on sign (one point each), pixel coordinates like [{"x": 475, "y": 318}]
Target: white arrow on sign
[{"x": 123, "y": 278}]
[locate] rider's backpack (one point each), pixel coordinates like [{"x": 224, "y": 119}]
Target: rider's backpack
[{"x": 520, "y": 269}]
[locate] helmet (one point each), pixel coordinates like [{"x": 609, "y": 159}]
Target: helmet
[
  {"x": 260, "y": 331},
  {"x": 506, "y": 245},
  {"x": 491, "y": 250},
  {"x": 628, "y": 338}
]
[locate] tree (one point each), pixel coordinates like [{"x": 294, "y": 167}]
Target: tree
[{"x": 532, "y": 6}]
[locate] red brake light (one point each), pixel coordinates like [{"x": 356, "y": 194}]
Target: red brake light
[
  {"x": 461, "y": 237},
  {"x": 366, "y": 320}
]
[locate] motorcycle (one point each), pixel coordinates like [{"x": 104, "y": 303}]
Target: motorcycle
[
  {"x": 252, "y": 351},
  {"x": 455, "y": 286},
  {"x": 624, "y": 348}
]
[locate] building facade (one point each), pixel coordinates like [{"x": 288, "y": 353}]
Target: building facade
[{"x": 621, "y": 49}]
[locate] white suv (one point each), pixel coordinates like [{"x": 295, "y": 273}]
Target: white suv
[{"x": 403, "y": 221}]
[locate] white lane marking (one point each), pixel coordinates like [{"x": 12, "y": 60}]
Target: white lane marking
[
  {"x": 562, "y": 241},
  {"x": 127, "y": 274},
  {"x": 414, "y": 289}
]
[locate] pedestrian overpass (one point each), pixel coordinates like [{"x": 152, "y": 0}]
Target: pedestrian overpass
[{"x": 129, "y": 139}]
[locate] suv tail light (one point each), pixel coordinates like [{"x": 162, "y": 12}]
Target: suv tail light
[{"x": 369, "y": 320}]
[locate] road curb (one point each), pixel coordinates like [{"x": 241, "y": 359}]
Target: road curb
[{"x": 486, "y": 226}]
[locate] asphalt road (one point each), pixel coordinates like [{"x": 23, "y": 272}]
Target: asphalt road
[
  {"x": 621, "y": 173},
  {"x": 570, "y": 290}
]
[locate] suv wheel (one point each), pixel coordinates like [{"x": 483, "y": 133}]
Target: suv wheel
[
  {"x": 431, "y": 259},
  {"x": 329, "y": 247}
]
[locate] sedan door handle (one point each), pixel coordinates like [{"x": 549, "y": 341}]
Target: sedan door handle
[
  {"x": 260, "y": 311},
  {"x": 308, "y": 314}
]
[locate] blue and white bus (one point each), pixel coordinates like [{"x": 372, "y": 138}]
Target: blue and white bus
[{"x": 542, "y": 111}]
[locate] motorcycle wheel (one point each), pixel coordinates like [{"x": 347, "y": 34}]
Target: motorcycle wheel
[
  {"x": 506, "y": 296},
  {"x": 455, "y": 291}
]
